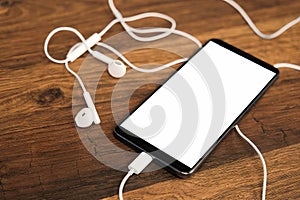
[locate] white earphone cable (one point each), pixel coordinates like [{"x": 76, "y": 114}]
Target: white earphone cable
[
  {"x": 66, "y": 61},
  {"x": 124, "y": 180},
  {"x": 264, "y": 189},
  {"x": 243, "y": 13},
  {"x": 145, "y": 30},
  {"x": 131, "y": 31},
  {"x": 164, "y": 32},
  {"x": 120, "y": 55},
  {"x": 52, "y": 33},
  {"x": 287, "y": 65},
  {"x": 76, "y": 76}
]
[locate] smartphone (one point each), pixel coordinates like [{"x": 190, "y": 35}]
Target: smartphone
[{"x": 181, "y": 122}]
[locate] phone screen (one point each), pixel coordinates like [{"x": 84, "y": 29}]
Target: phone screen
[{"x": 191, "y": 111}]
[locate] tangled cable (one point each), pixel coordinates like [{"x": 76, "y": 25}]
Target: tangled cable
[{"x": 136, "y": 33}]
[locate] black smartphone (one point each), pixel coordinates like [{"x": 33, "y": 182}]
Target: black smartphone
[{"x": 186, "y": 117}]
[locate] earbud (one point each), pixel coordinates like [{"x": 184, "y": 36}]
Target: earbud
[
  {"x": 86, "y": 116},
  {"x": 116, "y": 68}
]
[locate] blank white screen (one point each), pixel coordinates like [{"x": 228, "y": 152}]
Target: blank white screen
[{"x": 242, "y": 81}]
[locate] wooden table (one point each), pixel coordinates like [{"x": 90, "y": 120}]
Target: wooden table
[{"x": 42, "y": 156}]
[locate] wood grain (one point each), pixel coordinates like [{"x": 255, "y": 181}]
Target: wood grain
[
  {"x": 42, "y": 156},
  {"x": 241, "y": 179}
]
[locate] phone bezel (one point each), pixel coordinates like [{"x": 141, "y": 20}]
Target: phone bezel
[{"x": 163, "y": 158}]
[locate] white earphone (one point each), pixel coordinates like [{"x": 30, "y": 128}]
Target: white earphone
[
  {"x": 116, "y": 68},
  {"x": 87, "y": 116}
]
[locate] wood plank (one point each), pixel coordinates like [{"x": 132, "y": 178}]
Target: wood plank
[
  {"x": 42, "y": 156},
  {"x": 241, "y": 179}
]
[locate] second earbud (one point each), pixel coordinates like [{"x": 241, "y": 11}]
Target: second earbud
[
  {"x": 87, "y": 116},
  {"x": 116, "y": 68}
]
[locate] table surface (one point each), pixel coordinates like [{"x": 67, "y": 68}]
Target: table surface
[{"x": 42, "y": 154}]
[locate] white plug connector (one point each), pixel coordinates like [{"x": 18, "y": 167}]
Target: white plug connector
[
  {"x": 140, "y": 163},
  {"x": 135, "y": 167}
]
